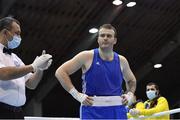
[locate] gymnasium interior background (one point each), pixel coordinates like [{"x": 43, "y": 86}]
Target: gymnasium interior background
[{"x": 148, "y": 34}]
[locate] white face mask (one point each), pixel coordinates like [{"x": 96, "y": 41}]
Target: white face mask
[
  {"x": 15, "y": 42},
  {"x": 151, "y": 94}
]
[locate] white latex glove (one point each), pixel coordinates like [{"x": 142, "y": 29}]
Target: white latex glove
[
  {"x": 47, "y": 64},
  {"x": 134, "y": 112},
  {"x": 77, "y": 95},
  {"x": 42, "y": 62}
]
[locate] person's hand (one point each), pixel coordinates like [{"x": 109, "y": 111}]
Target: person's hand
[
  {"x": 134, "y": 112},
  {"x": 128, "y": 99},
  {"x": 82, "y": 98},
  {"x": 46, "y": 64},
  {"x": 42, "y": 62},
  {"x": 124, "y": 99},
  {"x": 88, "y": 101}
]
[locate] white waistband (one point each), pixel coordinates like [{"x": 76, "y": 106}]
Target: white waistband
[{"x": 107, "y": 101}]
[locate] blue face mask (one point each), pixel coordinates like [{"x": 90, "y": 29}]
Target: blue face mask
[
  {"x": 15, "y": 42},
  {"x": 151, "y": 94}
]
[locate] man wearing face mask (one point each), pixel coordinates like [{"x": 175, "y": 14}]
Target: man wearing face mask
[
  {"x": 155, "y": 103},
  {"x": 14, "y": 74}
]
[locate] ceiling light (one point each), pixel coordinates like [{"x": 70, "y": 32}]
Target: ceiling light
[
  {"x": 93, "y": 30},
  {"x": 117, "y": 2},
  {"x": 157, "y": 65},
  {"x": 131, "y": 4}
]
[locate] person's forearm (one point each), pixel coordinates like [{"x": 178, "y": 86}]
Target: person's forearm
[
  {"x": 66, "y": 83},
  {"x": 64, "y": 79},
  {"x": 9, "y": 73},
  {"x": 35, "y": 79},
  {"x": 131, "y": 86}
]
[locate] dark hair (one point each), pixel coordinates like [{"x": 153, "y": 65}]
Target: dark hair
[
  {"x": 109, "y": 26},
  {"x": 5, "y": 23},
  {"x": 156, "y": 86}
]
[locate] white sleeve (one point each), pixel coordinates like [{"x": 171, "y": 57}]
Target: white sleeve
[
  {"x": 1, "y": 63},
  {"x": 27, "y": 76},
  {"x": 18, "y": 59}
]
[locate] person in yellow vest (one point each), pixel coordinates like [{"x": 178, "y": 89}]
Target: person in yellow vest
[
  {"x": 155, "y": 104},
  {"x": 138, "y": 104}
]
